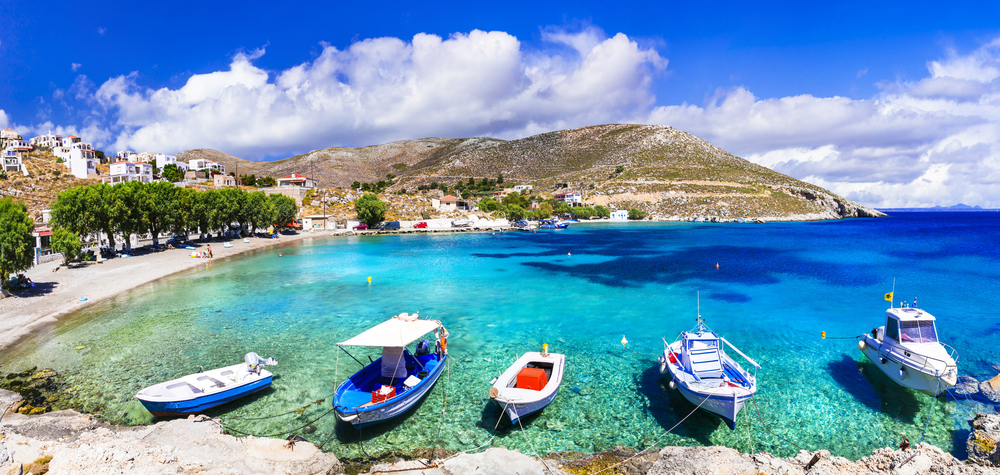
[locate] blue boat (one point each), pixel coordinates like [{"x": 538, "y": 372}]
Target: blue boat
[
  {"x": 204, "y": 390},
  {"x": 549, "y": 224},
  {"x": 391, "y": 385}
]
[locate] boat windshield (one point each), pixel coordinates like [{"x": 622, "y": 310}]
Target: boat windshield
[{"x": 918, "y": 332}]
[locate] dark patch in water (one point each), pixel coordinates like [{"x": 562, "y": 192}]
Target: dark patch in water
[{"x": 729, "y": 297}]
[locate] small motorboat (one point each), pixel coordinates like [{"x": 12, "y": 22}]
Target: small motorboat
[
  {"x": 461, "y": 223},
  {"x": 705, "y": 375},
  {"x": 549, "y": 224},
  {"x": 530, "y": 384},
  {"x": 908, "y": 351},
  {"x": 206, "y": 389},
  {"x": 391, "y": 385}
]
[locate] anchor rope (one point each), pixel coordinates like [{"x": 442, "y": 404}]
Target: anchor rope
[
  {"x": 529, "y": 442},
  {"x": 754, "y": 399},
  {"x": 653, "y": 444},
  {"x": 930, "y": 413}
]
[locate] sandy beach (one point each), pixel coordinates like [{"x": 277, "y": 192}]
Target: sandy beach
[{"x": 59, "y": 292}]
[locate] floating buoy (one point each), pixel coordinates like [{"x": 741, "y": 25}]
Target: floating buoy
[
  {"x": 672, "y": 384},
  {"x": 279, "y": 255},
  {"x": 716, "y": 265},
  {"x": 83, "y": 299},
  {"x": 862, "y": 345},
  {"x": 624, "y": 342},
  {"x": 822, "y": 334},
  {"x": 569, "y": 254},
  {"x": 545, "y": 349},
  {"x": 369, "y": 279}
]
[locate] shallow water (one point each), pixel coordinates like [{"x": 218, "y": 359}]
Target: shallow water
[{"x": 776, "y": 288}]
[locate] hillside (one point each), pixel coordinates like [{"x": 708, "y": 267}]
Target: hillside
[
  {"x": 45, "y": 180},
  {"x": 667, "y": 172}
]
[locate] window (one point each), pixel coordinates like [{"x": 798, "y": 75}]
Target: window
[
  {"x": 919, "y": 332},
  {"x": 892, "y": 329}
]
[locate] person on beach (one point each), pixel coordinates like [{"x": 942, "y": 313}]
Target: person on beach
[{"x": 210, "y": 252}]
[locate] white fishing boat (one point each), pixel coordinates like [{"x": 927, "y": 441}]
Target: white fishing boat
[
  {"x": 530, "y": 384},
  {"x": 705, "y": 375},
  {"x": 206, "y": 389},
  {"x": 461, "y": 223},
  {"x": 907, "y": 350}
]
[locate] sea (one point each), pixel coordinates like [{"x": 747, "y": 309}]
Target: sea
[{"x": 773, "y": 290}]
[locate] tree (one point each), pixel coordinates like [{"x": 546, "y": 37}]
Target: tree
[
  {"x": 172, "y": 173},
  {"x": 370, "y": 209},
  {"x": 635, "y": 213},
  {"x": 249, "y": 180},
  {"x": 488, "y": 204},
  {"x": 561, "y": 208},
  {"x": 182, "y": 211},
  {"x": 500, "y": 179},
  {"x": 515, "y": 198},
  {"x": 602, "y": 212},
  {"x": 260, "y": 211},
  {"x": 17, "y": 246},
  {"x": 285, "y": 209},
  {"x": 544, "y": 210},
  {"x": 267, "y": 181},
  {"x": 156, "y": 202},
  {"x": 515, "y": 213},
  {"x": 65, "y": 242},
  {"x": 127, "y": 215},
  {"x": 619, "y": 169}
]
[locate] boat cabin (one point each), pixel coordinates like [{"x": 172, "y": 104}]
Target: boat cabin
[
  {"x": 910, "y": 325},
  {"x": 701, "y": 355}
]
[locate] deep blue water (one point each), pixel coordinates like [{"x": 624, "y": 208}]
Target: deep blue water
[{"x": 777, "y": 286}]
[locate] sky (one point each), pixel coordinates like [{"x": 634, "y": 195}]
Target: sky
[{"x": 888, "y": 104}]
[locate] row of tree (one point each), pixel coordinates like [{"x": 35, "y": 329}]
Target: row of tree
[{"x": 158, "y": 208}]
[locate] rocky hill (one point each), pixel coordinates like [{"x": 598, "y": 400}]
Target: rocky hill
[
  {"x": 667, "y": 172},
  {"x": 46, "y": 178}
]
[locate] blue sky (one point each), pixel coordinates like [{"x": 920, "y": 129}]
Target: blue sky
[{"x": 846, "y": 96}]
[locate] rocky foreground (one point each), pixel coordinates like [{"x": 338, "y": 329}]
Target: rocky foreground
[{"x": 67, "y": 442}]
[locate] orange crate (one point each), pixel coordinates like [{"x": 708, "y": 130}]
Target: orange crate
[
  {"x": 383, "y": 393},
  {"x": 531, "y": 378}
]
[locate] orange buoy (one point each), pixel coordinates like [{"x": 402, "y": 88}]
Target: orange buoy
[{"x": 716, "y": 265}]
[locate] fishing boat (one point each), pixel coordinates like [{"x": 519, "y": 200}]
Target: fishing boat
[
  {"x": 549, "y": 224},
  {"x": 530, "y": 384},
  {"x": 705, "y": 375},
  {"x": 907, "y": 350},
  {"x": 206, "y": 389},
  {"x": 391, "y": 385}
]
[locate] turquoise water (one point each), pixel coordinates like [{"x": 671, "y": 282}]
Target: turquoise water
[{"x": 776, "y": 288}]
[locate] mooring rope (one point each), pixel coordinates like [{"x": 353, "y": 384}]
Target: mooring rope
[
  {"x": 754, "y": 399},
  {"x": 307, "y": 424},
  {"x": 930, "y": 413},
  {"x": 529, "y": 442}
]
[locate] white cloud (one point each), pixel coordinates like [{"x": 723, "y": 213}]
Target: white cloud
[
  {"x": 75, "y": 66},
  {"x": 383, "y": 89},
  {"x": 101, "y": 30}
]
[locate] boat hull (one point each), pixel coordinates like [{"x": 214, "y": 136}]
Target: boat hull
[
  {"x": 518, "y": 411},
  {"x": 361, "y": 417},
  {"x": 519, "y": 403},
  {"x": 203, "y": 403},
  {"x": 723, "y": 406},
  {"x": 725, "y": 400},
  {"x": 914, "y": 378}
]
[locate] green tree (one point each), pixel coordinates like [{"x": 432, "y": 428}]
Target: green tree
[
  {"x": 561, "y": 208},
  {"x": 267, "y": 181},
  {"x": 370, "y": 209},
  {"x": 127, "y": 215},
  {"x": 515, "y": 198},
  {"x": 285, "y": 209},
  {"x": 260, "y": 211},
  {"x": 65, "y": 242},
  {"x": 488, "y": 205},
  {"x": 17, "y": 246},
  {"x": 515, "y": 213},
  {"x": 544, "y": 210},
  {"x": 619, "y": 169},
  {"x": 156, "y": 203},
  {"x": 182, "y": 211},
  {"x": 172, "y": 173},
  {"x": 636, "y": 213},
  {"x": 602, "y": 212},
  {"x": 249, "y": 180}
]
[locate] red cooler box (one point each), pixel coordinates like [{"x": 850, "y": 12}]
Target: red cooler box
[
  {"x": 531, "y": 378},
  {"x": 383, "y": 393}
]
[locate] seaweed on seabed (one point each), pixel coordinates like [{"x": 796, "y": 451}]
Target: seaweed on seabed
[
  {"x": 579, "y": 463},
  {"x": 354, "y": 466},
  {"x": 41, "y": 391}
]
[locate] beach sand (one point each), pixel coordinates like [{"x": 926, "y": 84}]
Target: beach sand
[{"x": 58, "y": 293}]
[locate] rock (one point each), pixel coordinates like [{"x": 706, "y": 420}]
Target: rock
[
  {"x": 700, "y": 461},
  {"x": 984, "y": 440},
  {"x": 966, "y": 386},
  {"x": 494, "y": 461},
  {"x": 991, "y": 389}
]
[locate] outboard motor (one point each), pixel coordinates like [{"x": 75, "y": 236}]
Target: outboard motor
[
  {"x": 255, "y": 362},
  {"x": 423, "y": 348}
]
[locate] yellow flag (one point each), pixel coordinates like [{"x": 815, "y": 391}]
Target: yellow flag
[{"x": 888, "y": 296}]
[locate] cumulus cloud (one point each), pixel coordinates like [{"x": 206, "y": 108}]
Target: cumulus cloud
[
  {"x": 930, "y": 142},
  {"x": 383, "y": 89},
  {"x": 75, "y": 66}
]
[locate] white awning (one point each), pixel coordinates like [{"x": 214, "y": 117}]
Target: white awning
[{"x": 394, "y": 332}]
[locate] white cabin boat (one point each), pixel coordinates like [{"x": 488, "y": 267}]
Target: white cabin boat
[
  {"x": 908, "y": 351},
  {"x": 530, "y": 384},
  {"x": 705, "y": 375}
]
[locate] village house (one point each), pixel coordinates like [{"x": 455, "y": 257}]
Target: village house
[
  {"x": 620, "y": 215},
  {"x": 49, "y": 140},
  {"x": 225, "y": 181},
  {"x": 162, "y": 160},
  {"x": 446, "y": 204},
  {"x": 124, "y": 171},
  {"x": 8, "y": 135},
  {"x": 571, "y": 198},
  {"x": 501, "y": 194},
  {"x": 81, "y": 160},
  {"x": 297, "y": 180},
  {"x": 206, "y": 165},
  {"x": 520, "y": 188},
  {"x": 12, "y": 147}
]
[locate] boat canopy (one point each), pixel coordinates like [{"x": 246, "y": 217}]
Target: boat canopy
[{"x": 393, "y": 333}]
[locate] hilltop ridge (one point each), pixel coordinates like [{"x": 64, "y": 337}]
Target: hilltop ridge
[{"x": 669, "y": 173}]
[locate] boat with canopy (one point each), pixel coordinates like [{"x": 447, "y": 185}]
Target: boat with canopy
[{"x": 393, "y": 384}]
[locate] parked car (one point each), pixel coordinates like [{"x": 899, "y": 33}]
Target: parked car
[
  {"x": 361, "y": 227},
  {"x": 422, "y": 224},
  {"x": 389, "y": 226}
]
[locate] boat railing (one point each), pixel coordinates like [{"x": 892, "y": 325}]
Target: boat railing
[
  {"x": 910, "y": 357},
  {"x": 737, "y": 350}
]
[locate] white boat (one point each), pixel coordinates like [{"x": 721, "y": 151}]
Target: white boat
[
  {"x": 517, "y": 389},
  {"x": 908, "y": 351},
  {"x": 705, "y": 375},
  {"x": 461, "y": 223},
  {"x": 206, "y": 389},
  {"x": 393, "y": 384}
]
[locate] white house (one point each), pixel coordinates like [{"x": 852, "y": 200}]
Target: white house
[
  {"x": 446, "y": 204},
  {"x": 8, "y": 135},
  {"x": 620, "y": 215},
  {"x": 520, "y": 188},
  {"x": 571, "y": 198},
  {"x": 49, "y": 140},
  {"x": 124, "y": 171},
  {"x": 82, "y": 162},
  {"x": 12, "y": 161},
  {"x": 204, "y": 164},
  {"x": 162, "y": 160},
  {"x": 297, "y": 180}
]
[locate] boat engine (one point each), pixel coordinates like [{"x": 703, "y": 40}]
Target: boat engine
[{"x": 423, "y": 348}]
